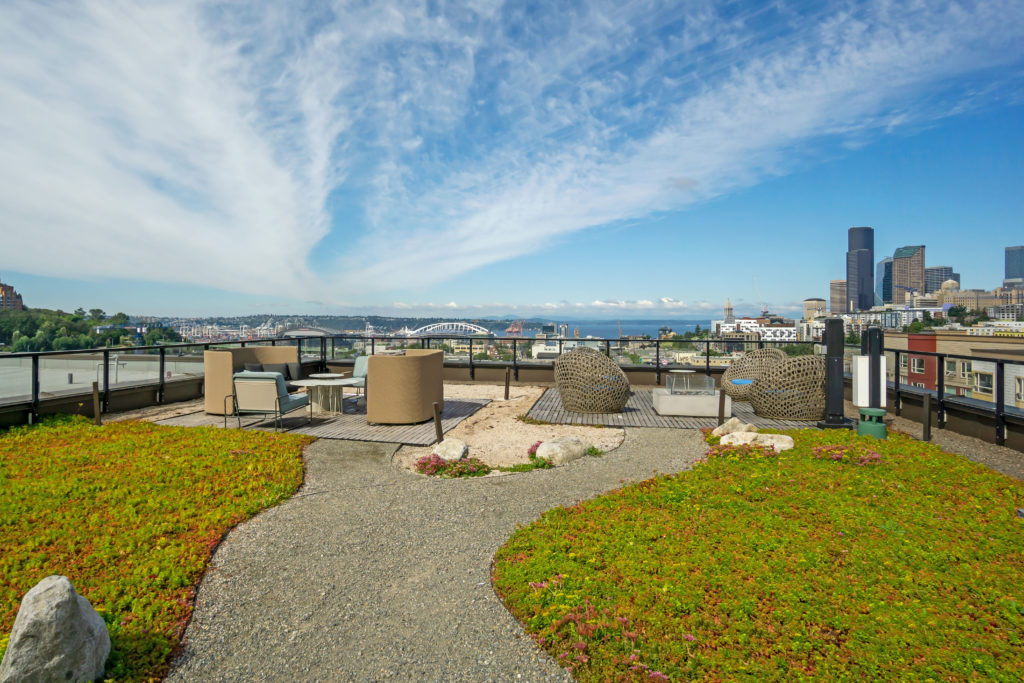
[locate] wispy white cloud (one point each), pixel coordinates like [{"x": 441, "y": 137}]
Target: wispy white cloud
[{"x": 284, "y": 148}]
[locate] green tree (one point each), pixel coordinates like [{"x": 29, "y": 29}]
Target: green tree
[
  {"x": 118, "y": 319},
  {"x": 97, "y": 314}
]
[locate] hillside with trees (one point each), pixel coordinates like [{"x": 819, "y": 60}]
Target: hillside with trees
[{"x": 41, "y": 329}]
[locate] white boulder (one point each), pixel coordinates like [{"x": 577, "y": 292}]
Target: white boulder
[
  {"x": 451, "y": 450},
  {"x": 562, "y": 450},
  {"x": 732, "y": 425},
  {"x": 780, "y": 442},
  {"x": 57, "y": 635}
]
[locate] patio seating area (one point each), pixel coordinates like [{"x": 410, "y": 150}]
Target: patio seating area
[
  {"x": 639, "y": 412},
  {"x": 350, "y": 424}
]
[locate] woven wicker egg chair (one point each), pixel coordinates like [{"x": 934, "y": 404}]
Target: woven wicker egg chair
[
  {"x": 750, "y": 366},
  {"x": 590, "y": 382},
  {"x": 791, "y": 390}
]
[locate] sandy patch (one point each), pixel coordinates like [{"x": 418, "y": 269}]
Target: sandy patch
[{"x": 495, "y": 436}]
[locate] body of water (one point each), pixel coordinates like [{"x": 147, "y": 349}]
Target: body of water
[{"x": 609, "y": 329}]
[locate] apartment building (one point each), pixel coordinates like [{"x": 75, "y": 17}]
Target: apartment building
[{"x": 10, "y": 300}]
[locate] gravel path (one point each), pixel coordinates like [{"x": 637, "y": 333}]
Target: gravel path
[{"x": 371, "y": 572}]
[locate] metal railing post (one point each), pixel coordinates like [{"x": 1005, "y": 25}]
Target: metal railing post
[
  {"x": 373, "y": 346},
  {"x": 106, "y": 379},
  {"x": 707, "y": 357},
  {"x": 323, "y": 354},
  {"x": 472, "y": 369},
  {"x": 657, "y": 362},
  {"x": 608, "y": 347},
  {"x": 1000, "y": 403},
  {"x": 163, "y": 365},
  {"x": 34, "y": 415},
  {"x": 896, "y": 403},
  {"x": 273, "y": 342},
  {"x": 515, "y": 358},
  {"x": 940, "y": 385}
]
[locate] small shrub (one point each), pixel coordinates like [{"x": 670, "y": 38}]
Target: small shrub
[
  {"x": 532, "y": 450},
  {"x": 434, "y": 465},
  {"x": 595, "y": 452},
  {"x": 526, "y": 419},
  {"x": 534, "y": 464}
]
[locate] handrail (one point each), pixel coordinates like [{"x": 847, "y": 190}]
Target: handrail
[{"x": 999, "y": 409}]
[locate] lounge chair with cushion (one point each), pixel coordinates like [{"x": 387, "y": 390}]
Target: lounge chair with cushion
[
  {"x": 358, "y": 378},
  {"x": 590, "y": 382},
  {"x": 404, "y": 388},
  {"x": 747, "y": 369},
  {"x": 262, "y": 393}
]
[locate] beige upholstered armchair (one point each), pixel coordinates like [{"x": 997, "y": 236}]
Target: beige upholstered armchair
[
  {"x": 220, "y": 366},
  {"x": 791, "y": 390},
  {"x": 403, "y": 389},
  {"x": 749, "y": 367}
]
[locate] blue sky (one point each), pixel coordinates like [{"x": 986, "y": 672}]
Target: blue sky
[{"x": 619, "y": 159}]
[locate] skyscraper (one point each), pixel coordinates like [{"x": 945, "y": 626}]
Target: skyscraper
[
  {"x": 883, "y": 281},
  {"x": 837, "y": 297},
  {"x": 1014, "y": 262},
  {"x": 934, "y": 276},
  {"x": 907, "y": 272},
  {"x": 860, "y": 278}
]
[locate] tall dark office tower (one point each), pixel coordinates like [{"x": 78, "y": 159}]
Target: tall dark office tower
[
  {"x": 860, "y": 275},
  {"x": 1014, "y": 262},
  {"x": 883, "y": 281},
  {"x": 934, "y": 276}
]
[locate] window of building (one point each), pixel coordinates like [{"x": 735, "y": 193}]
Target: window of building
[
  {"x": 919, "y": 385},
  {"x": 965, "y": 369},
  {"x": 917, "y": 364},
  {"x": 983, "y": 383},
  {"x": 903, "y": 362},
  {"x": 950, "y": 368}
]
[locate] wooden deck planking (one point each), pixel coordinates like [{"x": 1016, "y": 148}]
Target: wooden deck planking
[
  {"x": 350, "y": 425},
  {"x": 639, "y": 412}
]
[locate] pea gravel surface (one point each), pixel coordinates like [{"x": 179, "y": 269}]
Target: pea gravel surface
[{"x": 372, "y": 572}]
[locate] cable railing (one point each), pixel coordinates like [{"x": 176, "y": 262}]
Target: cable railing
[{"x": 38, "y": 372}]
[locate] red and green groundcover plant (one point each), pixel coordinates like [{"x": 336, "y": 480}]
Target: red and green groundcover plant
[
  {"x": 845, "y": 558},
  {"x": 130, "y": 512}
]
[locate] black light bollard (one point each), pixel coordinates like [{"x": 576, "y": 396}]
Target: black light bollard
[
  {"x": 834, "y": 339},
  {"x": 875, "y": 367}
]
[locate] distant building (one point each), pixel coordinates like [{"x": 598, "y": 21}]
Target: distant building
[
  {"x": 907, "y": 272},
  {"x": 978, "y": 299},
  {"x": 10, "y": 300},
  {"x": 814, "y": 308},
  {"x": 563, "y": 330},
  {"x": 883, "y": 281},
  {"x": 729, "y": 317},
  {"x": 934, "y": 276},
  {"x": 860, "y": 278},
  {"x": 837, "y": 296},
  {"x": 1014, "y": 263}
]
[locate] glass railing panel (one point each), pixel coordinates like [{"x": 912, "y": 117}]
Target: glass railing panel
[
  {"x": 71, "y": 373},
  {"x": 182, "y": 362},
  {"x": 15, "y": 379},
  {"x": 341, "y": 348}
]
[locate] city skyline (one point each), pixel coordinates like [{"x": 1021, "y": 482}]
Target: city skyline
[{"x": 615, "y": 161}]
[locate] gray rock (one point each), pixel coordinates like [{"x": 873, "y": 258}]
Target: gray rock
[
  {"x": 562, "y": 450},
  {"x": 780, "y": 442},
  {"x": 732, "y": 425},
  {"x": 57, "y": 636},
  {"x": 738, "y": 438},
  {"x": 450, "y": 450}
]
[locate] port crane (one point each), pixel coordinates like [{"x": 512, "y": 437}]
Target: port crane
[{"x": 516, "y": 328}]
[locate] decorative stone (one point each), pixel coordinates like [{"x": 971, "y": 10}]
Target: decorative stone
[
  {"x": 733, "y": 424},
  {"x": 562, "y": 450},
  {"x": 57, "y": 636},
  {"x": 780, "y": 442},
  {"x": 738, "y": 438},
  {"x": 450, "y": 449}
]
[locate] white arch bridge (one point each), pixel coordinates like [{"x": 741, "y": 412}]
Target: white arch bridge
[{"x": 456, "y": 329}]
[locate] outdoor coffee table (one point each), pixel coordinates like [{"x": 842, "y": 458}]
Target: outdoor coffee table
[
  {"x": 327, "y": 375},
  {"x": 324, "y": 392}
]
